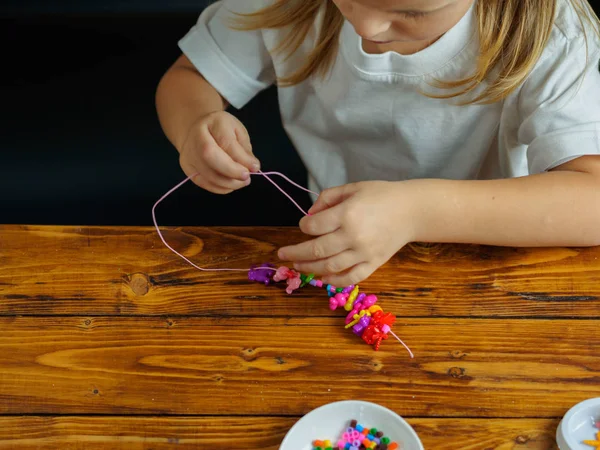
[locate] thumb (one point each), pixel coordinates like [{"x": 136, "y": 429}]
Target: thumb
[{"x": 331, "y": 197}]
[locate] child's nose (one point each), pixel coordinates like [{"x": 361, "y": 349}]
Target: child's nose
[{"x": 370, "y": 27}]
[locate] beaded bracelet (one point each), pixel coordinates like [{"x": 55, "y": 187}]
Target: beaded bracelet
[{"x": 366, "y": 319}]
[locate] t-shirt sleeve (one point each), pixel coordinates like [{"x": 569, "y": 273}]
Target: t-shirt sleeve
[
  {"x": 559, "y": 105},
  {"x": 236, "y": 63}
]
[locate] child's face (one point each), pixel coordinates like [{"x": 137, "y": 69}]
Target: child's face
[{"x": 386, "y": 21}]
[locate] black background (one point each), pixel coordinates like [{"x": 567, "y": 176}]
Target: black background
[{"x": 80, "y": 139}]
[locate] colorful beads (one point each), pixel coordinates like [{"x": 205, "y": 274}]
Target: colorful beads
[
  {"x": 364, "y": 317},
  {"x": 596, "y": 443},
  {"x": 322, "y": 445},
  {"x": 338, "y": 300},
  {"x": 291, "y": 276},
  {"x": 306, "y": 279},
  {"x": 347, "y": 289},
  {"x": 357, "y": 437},
  {"x": 261, "y": 274},
  {"x": 352, "y": 298}
]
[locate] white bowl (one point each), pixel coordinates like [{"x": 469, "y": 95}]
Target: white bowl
[
  {"x": 331, "y": 420},
  {"x": 577, "y": 425}
]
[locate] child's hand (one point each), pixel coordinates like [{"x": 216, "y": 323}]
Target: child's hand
[
  {"x": 218, "y": 149},
  {"x": 360, "y": 226}
]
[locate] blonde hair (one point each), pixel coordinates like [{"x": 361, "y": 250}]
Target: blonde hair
[{"x": 512, "y": 35}]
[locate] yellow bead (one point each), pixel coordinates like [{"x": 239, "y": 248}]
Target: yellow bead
[
  {"x": 373, "y": 309},
  {"x": 354, "y": 322},
  {"x": 327, "y": 444},
  {"x": 353, "y": 294}
]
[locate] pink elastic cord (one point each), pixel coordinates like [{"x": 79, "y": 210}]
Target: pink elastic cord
[{"x": 264, "y": 174}]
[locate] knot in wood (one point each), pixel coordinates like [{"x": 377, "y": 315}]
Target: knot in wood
[
  {"x": 139, "y": 284},
  {"x": 457, "y": 354},
  {"x": 522, "y": 439},
  {"x": 456, "y": 372}
]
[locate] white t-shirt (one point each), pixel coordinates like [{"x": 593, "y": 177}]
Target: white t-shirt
[{"x": 368, "y": 121}]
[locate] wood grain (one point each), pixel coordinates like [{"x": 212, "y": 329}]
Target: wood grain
[
  {"x": 277, "y": 366},
  {"x": 128, "y": 271},
  {"x": 235, "y": 433}
]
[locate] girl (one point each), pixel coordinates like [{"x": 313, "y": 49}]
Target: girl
[{"x": 458, "y": 121}]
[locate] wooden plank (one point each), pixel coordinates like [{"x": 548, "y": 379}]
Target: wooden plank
[
  {"x": 491, "y": 434},
  {"x": 242, "y": 433},
  {"x": 128, "y": 271},
  {"x": 277, "y": 366}
]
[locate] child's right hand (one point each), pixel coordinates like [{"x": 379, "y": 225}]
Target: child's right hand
[{"x": 218, "y": 149}]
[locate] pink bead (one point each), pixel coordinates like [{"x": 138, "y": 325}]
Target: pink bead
[
  {"x": 282, "y": 273},
  {"x": 293, "y": 284},
  {"x": 341, "y": 444},
  {"x": 350, "y": 316},
  {"x": 319, "y": 283},
  {"x": 341, "y": 298},
  {"x": 369, "y": 301},
  {"x": 385, "y": 329},
  {"x": 347, "y": 437},
  {"x": 333, "y": 304}
]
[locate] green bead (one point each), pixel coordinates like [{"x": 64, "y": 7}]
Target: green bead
[
  {"x": 373, "y": 431},
  {"x": 306, "y": 279},
  {"x": 385, "y": 440},
  {"x": 338, "y": 290}
]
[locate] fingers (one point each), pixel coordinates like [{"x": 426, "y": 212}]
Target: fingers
[
  {"x": 330, "y": 266},
  {"x": 210, "y": 180},
  {"x": 217, "y": 159},
  {"x": 218, "y": 153},
  {"x": 324, "y": 222},
  {"x": 354, "y": 275},
  {"x": 315, "y": 249},
  {"x": 331, "y": 197},
  {"x": 248, "y": 156},
  {"x": 232, "y": 137}
]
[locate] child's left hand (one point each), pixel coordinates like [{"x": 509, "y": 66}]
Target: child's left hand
[{"x": 359, "y": 226}]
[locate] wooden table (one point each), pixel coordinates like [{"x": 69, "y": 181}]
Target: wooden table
[{"x": 110, "y": 341}]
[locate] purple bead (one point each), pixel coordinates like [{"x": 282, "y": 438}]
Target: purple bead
[
  {"x": 359, "y": 298},
  {"x": 362, "y": 324},
  {"x": 358, "y": 329},
  {"x": 348, "y": 289},
  {"x": 313, "y": 282},
  {"x": 259, "y": 274}
]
